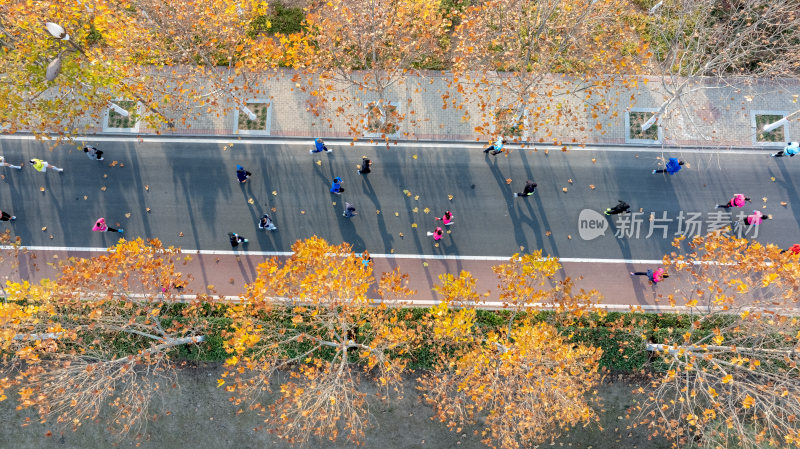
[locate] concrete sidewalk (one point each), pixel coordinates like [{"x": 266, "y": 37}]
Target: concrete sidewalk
[{"x": 713, "y": 114}]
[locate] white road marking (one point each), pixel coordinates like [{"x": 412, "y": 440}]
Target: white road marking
[
  {"x": 374, "y": 256},
  {"x": 367, "y": 143}
]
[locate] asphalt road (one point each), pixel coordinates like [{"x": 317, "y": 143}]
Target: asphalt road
[{"x": 194, "y": 198}]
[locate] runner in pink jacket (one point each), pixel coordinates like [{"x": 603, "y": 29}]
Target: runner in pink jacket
[
  {"x": 655, "y": 276},
  {"x": 101, "y": 226},
  {"x": 437, "y": 234},
  {"x": 446, "y": 219},
  {"x": 738, "y": 200},
  {"x": 756, "y": 218}
]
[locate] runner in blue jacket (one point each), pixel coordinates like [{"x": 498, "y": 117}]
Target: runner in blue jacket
[{"x": 673, "y": 166}]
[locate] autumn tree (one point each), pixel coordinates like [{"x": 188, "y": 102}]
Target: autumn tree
[
  {"x": 314, "y": 315},
  {"x": 523, "y": 382},
  {"x": 100, "y": 337},
  {"x": 708, "y": 44},
  {"x": 174, "y": 57},
  {"x": 532, "y": 67},
  {"x": 364, "y": 52},
  {"x": 731, "y": 379}
]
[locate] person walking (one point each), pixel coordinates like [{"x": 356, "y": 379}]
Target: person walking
[
  {"x": 336, "y": 186},
  {"x": 42, "y": 166},
  {"x": 673, "y": 166},
  {"x": 93, "y": 153},
  {"x": 349, "y": 210},
  {"x": 366, "y": 166},
  {"x": 530, "y": 188},
  {"x": 6, "y": 164},
  {"x": 738, "y": 200},
  {"x": 497, "y": 147},
  {"x": 655, "y": 276},
  {"x": 319, "y": 146},
  {"x": 236, "y": 239},
  {"x": 620, "y": 208},
  {"x": 790, "y": 150},
  {"x": 242, "y": 175},
  {"x": 437, "y": 234},
  {"x": 5, "y": 216},
  {"x": 101, "y": 226},
  {"x": 447, "y": 218},
  {"x": 266, "y": 223}
]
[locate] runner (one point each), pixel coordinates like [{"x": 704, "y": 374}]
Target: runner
[
  {"x": 266, "y": 223},
  {"x": 319, "y": 146},
  {"x": 5, "y": 216},
  {"x": 620, "y": 208},
  {"x": 93, "y": 153},
  {"x": 497, "y": 147},
  {"x": 366, "y": 166},
  {"x": 530, "y": 188},
  {"x": 794, "y": 249},
  {"x": 366, "y": 260},
  {"x": 654, "y": 276},
  {"x": 756, "y": 218},
  {"x": 41, "y": 166},
  {"x": 738, "y": 200},
  {"x": 336, "y": 186},
  {"x": 6, "y": 164},
  {"x": 349, "y": 210},
  {"x": 437, "y": 234},
  {"x": 790, "y": 150},
  {"x": 242, "y": 175},
  {"x": 235, "y": 239},
  {"x": 101, "y": 226},
  {"x": 673, "y": 166},
  {"x": 447, "y": 218}
]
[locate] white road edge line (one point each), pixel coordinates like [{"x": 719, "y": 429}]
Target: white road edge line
[
  {"x": 375, "y": 256},
  {"x": 308, "y": 143}
]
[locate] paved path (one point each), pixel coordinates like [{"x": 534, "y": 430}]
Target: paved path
[{"x": 194, "y": 200}]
